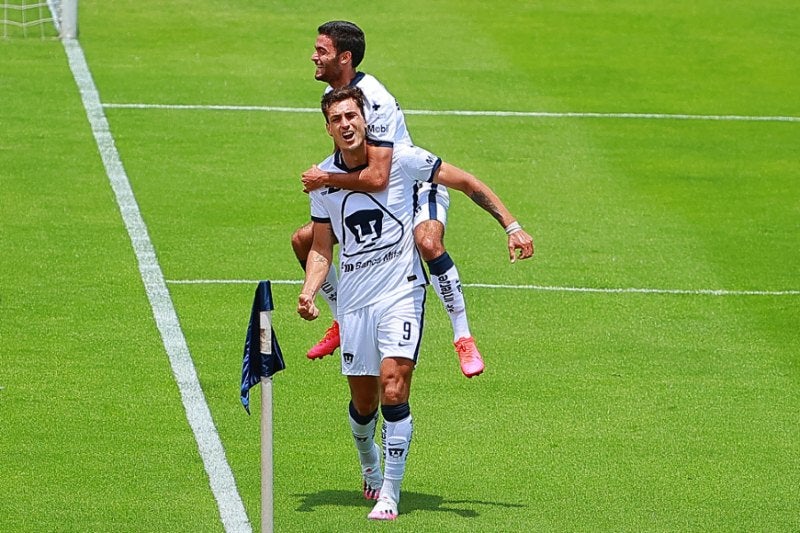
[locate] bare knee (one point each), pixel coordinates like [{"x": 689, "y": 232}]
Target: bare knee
[
  {"x": 302, "y": 239},
  {"x": 365, "y": 406},
  {"x": 429, "y": 238}
]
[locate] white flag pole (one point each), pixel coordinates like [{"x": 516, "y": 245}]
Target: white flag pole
[{"x": 267, "y": 519}]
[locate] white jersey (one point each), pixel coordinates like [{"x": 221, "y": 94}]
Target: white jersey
[
  {"x": 377, "y": 255},
  {"x": 386, "y": 124}
]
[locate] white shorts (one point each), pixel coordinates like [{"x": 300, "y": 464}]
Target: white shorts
[
  {"x": 391, "y": 328},
  {"x": 431, "y": 200}
]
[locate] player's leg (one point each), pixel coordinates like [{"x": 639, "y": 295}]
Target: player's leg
[
  {"x": 363, "y": 411},
  {"x": 429, "y": 237},
  {"x": 302, "y": 239},
  {"x": 399, "y": 335},
  {"x": 430, "y": 219},
  {"x": 361, "y": 364},
  {"x": 396, "y": 433}
]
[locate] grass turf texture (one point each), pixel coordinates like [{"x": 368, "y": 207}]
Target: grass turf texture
[{"x": 597, "y": 412}]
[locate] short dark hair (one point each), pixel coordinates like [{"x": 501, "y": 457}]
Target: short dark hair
[
  {"x": 346, "y": 37},
  {"x": 339, "y": 95}
]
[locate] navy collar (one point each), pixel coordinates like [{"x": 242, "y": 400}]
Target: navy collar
[
  {"x": 358, "y": 78},
  {"x": 338, "y": 160}
]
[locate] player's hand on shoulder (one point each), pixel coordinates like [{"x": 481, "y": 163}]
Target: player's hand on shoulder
[{"x": 313, "y": 179}]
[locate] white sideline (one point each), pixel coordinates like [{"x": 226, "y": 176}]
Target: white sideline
[
  {"x": 537, "y": 114},
  {"x": 223, "y": 485},
  {"x": 612, "y": 290}
]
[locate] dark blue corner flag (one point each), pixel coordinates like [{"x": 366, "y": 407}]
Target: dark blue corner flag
[{"x": 262, "y": 354}]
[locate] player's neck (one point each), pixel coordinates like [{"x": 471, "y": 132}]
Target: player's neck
[
  {"x": 356, "y": 157},
  {"x": 344, "y": 80}
]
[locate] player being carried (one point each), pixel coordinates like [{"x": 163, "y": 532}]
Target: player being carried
[{"x": 339, "y": 49}]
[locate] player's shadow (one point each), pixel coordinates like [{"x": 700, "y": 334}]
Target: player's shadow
[{"x": 411, "y": 501}]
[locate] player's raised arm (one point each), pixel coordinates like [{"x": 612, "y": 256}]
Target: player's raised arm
[{"x": 520, "y": 244}]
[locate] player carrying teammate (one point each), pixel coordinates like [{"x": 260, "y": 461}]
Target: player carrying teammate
[
  {"x": 339, "y": 49},
  {"x": 382, "y": 288}
]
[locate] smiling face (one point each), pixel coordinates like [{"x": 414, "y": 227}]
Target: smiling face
[{"x": 331, "y": 66}]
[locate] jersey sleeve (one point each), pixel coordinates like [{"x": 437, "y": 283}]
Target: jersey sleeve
[
  {"x": 318, "y": 211},
  {"x": 381, "y": 114}
]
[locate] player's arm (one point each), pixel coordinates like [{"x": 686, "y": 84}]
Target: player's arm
[
  {"x": 317, "y": 265},
  {"x": 373, "y": 178},
  {"x": 485, "y": 197}
]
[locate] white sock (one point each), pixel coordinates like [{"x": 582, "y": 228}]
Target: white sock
[
  {"x": 329, "y": 290},
  {"x": 447, "y": 283},
  {"x": 396, "y": 442},
  {"x": 364, "y": 436}
]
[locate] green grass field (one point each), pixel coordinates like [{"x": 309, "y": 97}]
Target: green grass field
[{"x": 601, "y": 410}]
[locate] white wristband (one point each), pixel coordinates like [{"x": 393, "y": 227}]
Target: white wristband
[{"x": 513, "y": 227}]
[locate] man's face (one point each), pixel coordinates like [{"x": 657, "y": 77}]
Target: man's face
[
  {"x": 326, "y": 59},
  {"x": 346, "y": 125}
]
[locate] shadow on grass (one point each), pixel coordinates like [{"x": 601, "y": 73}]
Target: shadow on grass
[{"x": 409, "y": 502}]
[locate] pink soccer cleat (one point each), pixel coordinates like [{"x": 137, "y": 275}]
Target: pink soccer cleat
[
  {"x": 469, "y": 356},
  {"x": 373, "y": 479},
  {"x": 327, "y": 345},
  {"x": 385, "y": 509},
  {"x": 372, "y": 484}
]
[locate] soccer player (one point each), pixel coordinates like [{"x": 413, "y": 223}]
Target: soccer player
[
  {"x": 382, "y": 288},
  {"x": 339, "y": 49}
]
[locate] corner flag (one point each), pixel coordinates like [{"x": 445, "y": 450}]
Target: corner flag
[
  {"x": 262, "y": 358},
  {"x": 262, "y": 354}
]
